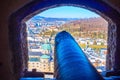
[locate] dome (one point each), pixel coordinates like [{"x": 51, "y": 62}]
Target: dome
[
  {"x": 45, "y": 56},
  {"x": 46, "y": 47}
]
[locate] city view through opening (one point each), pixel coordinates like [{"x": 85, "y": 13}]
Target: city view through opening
[{"x": 88, "y": 29}]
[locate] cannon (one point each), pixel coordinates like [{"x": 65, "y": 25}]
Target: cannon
[{"x": 70, "y": 61}]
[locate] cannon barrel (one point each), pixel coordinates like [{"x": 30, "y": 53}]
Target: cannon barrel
[{"x": 70, "y": 61}]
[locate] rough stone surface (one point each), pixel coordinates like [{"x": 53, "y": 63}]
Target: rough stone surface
[
  {"x": 18, "y": 35},
  {"x": 111, "y": 45}
]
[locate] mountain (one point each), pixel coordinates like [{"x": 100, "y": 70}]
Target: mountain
[
  {"x": 49, "y": 19},
  {"x": 88, "y": 24}
]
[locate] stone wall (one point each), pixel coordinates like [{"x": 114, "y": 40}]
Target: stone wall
[
  {"x": 18, "y": 44},
  {"x": 24, "y": 46},
  {"x": 17, "y": 29},
  {"x": 110, "y": 59}
]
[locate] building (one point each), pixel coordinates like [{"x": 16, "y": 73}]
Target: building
[
  {"x": 46, "y": 48},
  {"x": 34, "y": 63},
  {"x": 46, "y": 63},
  {"x": 40, "y": 63}
]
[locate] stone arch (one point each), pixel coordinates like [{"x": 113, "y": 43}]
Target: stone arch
[{"x": 17, "y": 29}]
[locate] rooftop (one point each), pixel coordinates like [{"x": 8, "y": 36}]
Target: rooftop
[
  {"x": 34, "y": 59},
  {"x": 45, "y": 56}
]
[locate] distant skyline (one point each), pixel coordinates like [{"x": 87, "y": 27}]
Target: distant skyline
[{"x": 68, "y": 12}]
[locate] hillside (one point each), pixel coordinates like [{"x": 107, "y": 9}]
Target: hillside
[
  {"x": 85, "y": 28},
  {"x": 91, "y": 24},
  {"x": 91, "y": 27}
]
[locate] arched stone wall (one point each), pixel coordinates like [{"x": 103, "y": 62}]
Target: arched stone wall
[
  {"x": 18, "y": 33},
  {"x": 110, "y": 59}
]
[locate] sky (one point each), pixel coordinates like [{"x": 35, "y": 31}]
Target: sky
[{"x": 68, "y": 12}]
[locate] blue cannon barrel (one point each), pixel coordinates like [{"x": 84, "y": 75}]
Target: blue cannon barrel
[{"x": 70, "y": 61}]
